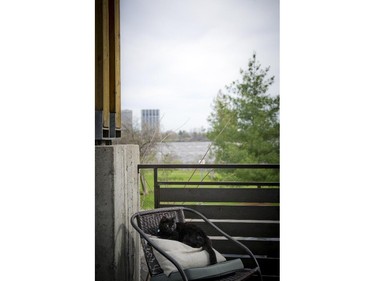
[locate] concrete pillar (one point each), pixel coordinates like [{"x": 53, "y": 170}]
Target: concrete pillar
[{"x": 116, "y": 199}]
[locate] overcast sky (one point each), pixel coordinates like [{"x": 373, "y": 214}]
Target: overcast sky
[{"x": 177, "y": 55}]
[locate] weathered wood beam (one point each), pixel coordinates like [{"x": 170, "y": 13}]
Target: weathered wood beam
[
  {"x": 98, "y": 55},
  {"x": 107, "y": 68},
  {"x": 117, "y": 65}
]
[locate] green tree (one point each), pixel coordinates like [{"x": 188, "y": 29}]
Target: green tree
[{"x": 245, "y": 121}]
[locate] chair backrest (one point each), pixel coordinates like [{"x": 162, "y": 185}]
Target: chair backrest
[{"x": 148, "y": 222}]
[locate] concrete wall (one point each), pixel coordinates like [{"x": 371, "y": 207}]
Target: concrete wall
[{"x": 116, "y": 199}]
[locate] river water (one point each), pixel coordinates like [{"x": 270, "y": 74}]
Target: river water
[{"x": 184, "y": 152}]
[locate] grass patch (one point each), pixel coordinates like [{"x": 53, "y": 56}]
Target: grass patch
[{"x": 147, "y": 200}]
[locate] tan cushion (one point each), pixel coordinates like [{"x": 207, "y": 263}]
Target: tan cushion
[{"x": 186, "y": 256}]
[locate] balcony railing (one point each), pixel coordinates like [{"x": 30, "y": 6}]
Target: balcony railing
[{"x": 246, "y": 210}]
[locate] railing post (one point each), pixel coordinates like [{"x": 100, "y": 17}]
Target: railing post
[{"x": 156, "y": 189}]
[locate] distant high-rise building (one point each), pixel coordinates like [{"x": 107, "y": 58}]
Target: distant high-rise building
[
  {"x": 150, "y": 119},
  {"x": 127, "y": 119}
]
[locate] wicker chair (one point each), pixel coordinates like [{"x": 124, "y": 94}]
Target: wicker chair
[{"x": 147, "y": 222}]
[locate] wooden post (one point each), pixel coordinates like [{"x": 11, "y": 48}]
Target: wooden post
[
  {"x": 107, "y": 69},
  {"x": 118, "y": 67}
]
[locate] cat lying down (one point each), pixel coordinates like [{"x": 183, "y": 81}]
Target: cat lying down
[{"x": 186, "y": 233}]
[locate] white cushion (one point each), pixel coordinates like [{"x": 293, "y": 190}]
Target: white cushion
[{"x": 186, "y": 256}]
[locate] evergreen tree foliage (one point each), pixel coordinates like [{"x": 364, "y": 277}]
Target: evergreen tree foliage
[{"x": 245, "y": 121}]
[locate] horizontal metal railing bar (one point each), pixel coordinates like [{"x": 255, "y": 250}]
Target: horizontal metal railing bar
[
  {"x": 221, "y": 193},
  {"x": 218, "y": 183},
  {"x": 235, "y": 221},
  {"x": 262, "y": 239},
  {"x": 208, "y": 166},
  {"x": 245, "y": 256}
]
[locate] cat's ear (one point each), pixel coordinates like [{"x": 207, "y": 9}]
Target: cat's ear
[
  {"x": 163, "y": 219},
  {"x": 173, "y": 219}
]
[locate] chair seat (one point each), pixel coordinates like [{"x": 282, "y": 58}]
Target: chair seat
[{"x": 208, "y": 272}]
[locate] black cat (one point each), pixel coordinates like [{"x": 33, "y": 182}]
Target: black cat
[{"x": 186, "y": 233}]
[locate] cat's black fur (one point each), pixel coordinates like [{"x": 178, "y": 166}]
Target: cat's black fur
[{"x": 186, "y": 233}]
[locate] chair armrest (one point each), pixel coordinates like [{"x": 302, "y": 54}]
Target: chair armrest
[
  {"x": 246, "y": 249},
  {"x": 144, "y": 236}
]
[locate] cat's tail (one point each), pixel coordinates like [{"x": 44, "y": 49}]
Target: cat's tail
[{"x": 211, "y": 253}]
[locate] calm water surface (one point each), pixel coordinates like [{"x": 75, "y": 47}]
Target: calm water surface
[{"x": 184, "y": 152}]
